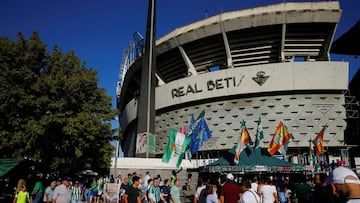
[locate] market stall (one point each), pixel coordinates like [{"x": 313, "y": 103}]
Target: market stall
[{"x": 252, "y": 161}]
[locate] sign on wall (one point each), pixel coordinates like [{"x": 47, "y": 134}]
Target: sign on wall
[{"x": 145, "y": 141}]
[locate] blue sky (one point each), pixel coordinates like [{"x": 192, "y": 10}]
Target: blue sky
[{"x": 99, "y": 31}]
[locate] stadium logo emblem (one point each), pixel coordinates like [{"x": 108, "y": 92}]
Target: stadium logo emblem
[{"x": 260, "y": 78}]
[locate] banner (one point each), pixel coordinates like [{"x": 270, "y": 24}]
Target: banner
[
  {"x": 145, "y": 141},
  {"x": 112, "y": 193}
]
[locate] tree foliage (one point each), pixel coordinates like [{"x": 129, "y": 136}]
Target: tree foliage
[{"x": 51, "y": 108}]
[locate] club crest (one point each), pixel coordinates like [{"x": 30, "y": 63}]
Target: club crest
[{"x": 260, "y": 78}]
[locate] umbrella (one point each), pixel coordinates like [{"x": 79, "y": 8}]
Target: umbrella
[{"x": 86, "y": 173}]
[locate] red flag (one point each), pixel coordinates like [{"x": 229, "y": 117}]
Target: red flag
[
  {"x": 281, "y": 138},
  {"x": 242, "y": 142},
  {"x": 319, "y": 142}
]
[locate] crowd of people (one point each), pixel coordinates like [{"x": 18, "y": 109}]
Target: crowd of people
[
  {"x": 62, "y": 190},
  {"x": 131, "y": 189},
  {"x": 136, "y": 189},
  {"x": 341, "y": 185}
]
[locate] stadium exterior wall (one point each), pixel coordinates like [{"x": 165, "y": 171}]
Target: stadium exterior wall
[
  {"x": 304, "y": 95},
  {"x": 271, "y": 61}
]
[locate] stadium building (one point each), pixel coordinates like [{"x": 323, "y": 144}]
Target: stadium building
[{"x": 271, "y": 61}]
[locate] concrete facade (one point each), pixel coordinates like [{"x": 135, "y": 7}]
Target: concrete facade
[{"x": 271, "y": 61}]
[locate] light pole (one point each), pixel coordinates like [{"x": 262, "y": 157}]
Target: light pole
[{"x": 146, "y": 117}]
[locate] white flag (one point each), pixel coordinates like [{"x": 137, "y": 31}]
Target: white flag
[{"x": 175, "y": 148}]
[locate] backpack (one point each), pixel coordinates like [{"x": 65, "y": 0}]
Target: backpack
[{"x": 202, "y": 197}]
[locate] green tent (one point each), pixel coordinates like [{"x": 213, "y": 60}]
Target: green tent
[
  {"x": 7, "y": 164},
  {"x": 252, "y": 161}
]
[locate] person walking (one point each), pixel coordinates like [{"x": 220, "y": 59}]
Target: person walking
[
  {"x": 189, "y": 181},
  {"x": 230, "y": 191},
  {"x": 49, "y": 191},
  {"x": 123, "y": 187},
  {"x": 201, "y": 186},
  {"x": 94, "y": 191},
  {"x": 62, "y": 193},
  {"x": 268, "y": 192},
  {"x": 38, "y": 191},
  {"x": 175, "y": 192},
  {"x": 320, "y": 190},
  {"x": 165, "y": 190},
  {"x": 210, "y": 194},
  {"x": 100, "y": 187},
  {"x": 87, "y": 191},
  {"x": 154, "y": 192},
  {"x": 283, "y": 195},
  {"x": 21, "y": 195},
  {"x": 345, "y": 185},
  {"x": 249, "y": 195},
  {"x": 173, "y": 176},
  {"x": 132, "y": 192},
  {"x": 76, "y": 193},
  {"x": 146, "y": 179}
]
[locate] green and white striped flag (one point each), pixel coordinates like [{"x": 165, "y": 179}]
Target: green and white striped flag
[
  {"x": 259, "y": 134},
  {"x": 312, "y": 154},
  {"x": 175, "y": 148}
]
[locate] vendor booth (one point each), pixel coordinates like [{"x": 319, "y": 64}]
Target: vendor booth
[{"x": 252, "y": 161}]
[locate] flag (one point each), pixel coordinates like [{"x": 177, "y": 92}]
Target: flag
[
  {"x": 280, "y": 140},
  {"x": 319, "y": 141},
  {"x": 193, "y": 123},
  {"x": 259, "y": 134},
  {"x": 183, "y": 130},
  {"x": 312, "y": 154},
  {"x": 243, "y": 141},
  {"x": 187, "y": 155},
  {"x": 283, "y": 149},
  {"x": 198, "y": 135},
  {"x": 175, "y": 148}
]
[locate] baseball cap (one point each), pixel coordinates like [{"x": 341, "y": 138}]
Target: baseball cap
[
  {"x": 230, "y": 176},
  {"x": 341, "y": 175},
  {"x": 67, "y": 178}
]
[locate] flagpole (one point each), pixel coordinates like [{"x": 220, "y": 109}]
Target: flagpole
[
  {"x": 310, "y": 153},
  {"x": 256, "y": 140},
  {"x": 255, "y": 143},
  {"x": 116, "y": 156}
]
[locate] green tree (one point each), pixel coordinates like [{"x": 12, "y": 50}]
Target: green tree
[{"x": 51, "y": 108}]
